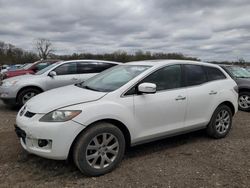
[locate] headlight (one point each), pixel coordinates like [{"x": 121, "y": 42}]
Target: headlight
[
  {"x": 9, "y": 83},
  {"x": 60, "y": 115}
]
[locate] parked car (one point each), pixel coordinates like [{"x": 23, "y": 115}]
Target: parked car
[
  {"x": 4, "y": 68},
  {"x": 242, "y": 78},
  {"x": 127, "y": 105},
  {"x": 18, "y": 90},
  {"x": 248, "y": 68},
  {"x": 32, "y": 69}
]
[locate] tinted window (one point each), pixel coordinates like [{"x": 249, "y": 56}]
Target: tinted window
[
  {"x": 194, "y": 75},
  {"x": 214, "y": 74},
  {"x": 166, "y": 78},
  {"x": 41, "y": 66},
  {"x": 93, "y": 67},
  {"x": 69, "y": 68}
]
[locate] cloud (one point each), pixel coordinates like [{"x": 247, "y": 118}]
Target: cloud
[{"x": 208, "y": 29}]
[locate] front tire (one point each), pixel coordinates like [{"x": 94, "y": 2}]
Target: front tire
[
  {"x": 220, "y": 123},
  {"x": 244, "y": 101},
  {"x": 99, "y": 149},
  {"x": 26, "y": 95}
]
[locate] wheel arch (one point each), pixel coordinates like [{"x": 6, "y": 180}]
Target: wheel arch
[
  {"x": 28, "y": 87},
  {"x": 230, "y": 105},
  {"x": 244, "y": 90},
  {"x": 114, "y": 122}
]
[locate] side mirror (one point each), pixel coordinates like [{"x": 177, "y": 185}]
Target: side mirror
[
  {"x": 52, "y": 74},
  {"x": 147, "y": 88}
]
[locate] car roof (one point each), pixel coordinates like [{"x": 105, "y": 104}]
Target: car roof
[
  {"x": 91, "y": 60},
  {"x": 163, "y": 62}
]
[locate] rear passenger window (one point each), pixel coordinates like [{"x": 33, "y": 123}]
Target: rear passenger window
[
  {"x": 93, "y": 67},
  {"x": 194, "y": 75},
  {"x": 214, "y": 73}
]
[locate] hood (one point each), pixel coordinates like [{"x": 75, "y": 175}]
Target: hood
[
  {"x": 19, "y": 78},
  {"x": 61, "y": 97},
  {"x": 18, "y": 72}
]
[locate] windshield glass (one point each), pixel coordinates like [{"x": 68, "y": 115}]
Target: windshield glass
[
  {"x": 26, "y": 66},
  {"x": 113, "y": 78},
  {"x": 47, "y": 68},
  {"x": 239, "y": 72}
]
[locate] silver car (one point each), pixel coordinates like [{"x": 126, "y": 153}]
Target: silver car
[{"x": 18, "y": 90}]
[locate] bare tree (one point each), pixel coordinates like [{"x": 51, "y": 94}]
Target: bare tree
[{"x": 44, "y": 48}]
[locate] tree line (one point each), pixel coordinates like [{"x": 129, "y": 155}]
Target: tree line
[{"x": 9, "y": 54}]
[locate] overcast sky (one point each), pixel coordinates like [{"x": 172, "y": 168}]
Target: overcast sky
[{"x": 208, "y": 29}]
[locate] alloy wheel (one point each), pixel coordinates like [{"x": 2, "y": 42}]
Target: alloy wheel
[
  {"x": 244, "y": 101},
  {"x": 102, "y": 150},
  {"x": 28, "y": 96},
  {"x": 222, "y": 121}
]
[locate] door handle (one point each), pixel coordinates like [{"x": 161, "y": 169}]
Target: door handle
[
  {"x": 213, "y": 93},
  {"x": 74, "y": 79},
  {"x": 179, "y": 98}
]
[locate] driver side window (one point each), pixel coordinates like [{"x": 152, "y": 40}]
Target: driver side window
[
  {"x": 65, "y": 69},
  {"x": 166, "y": 78},
  {"x": 169, "y": 77}
]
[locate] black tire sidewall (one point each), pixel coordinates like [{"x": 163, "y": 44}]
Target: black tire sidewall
[
  {"x": 24, "y": 92},
  {"x": 211, "y": 129},
  {"x": 83, "y": 141},
  {"x": 244, "y": 93}
]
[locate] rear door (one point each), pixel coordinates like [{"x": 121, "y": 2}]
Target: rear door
[
  {"x": 202, "y": 90},
  {"x": 88, "y": 69},
  {"x": 66, "y": 74}
]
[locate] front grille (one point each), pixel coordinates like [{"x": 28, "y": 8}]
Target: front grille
[{"x": 29, "y": 114}]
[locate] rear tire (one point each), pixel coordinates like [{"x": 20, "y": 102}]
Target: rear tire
[
  {"x": 26, "y": 94},
  {"x": 220, "y": 123},
  {"x": 244, "y": 101},
  {"x": 99, "y": 149}
]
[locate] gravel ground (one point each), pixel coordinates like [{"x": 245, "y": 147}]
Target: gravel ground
[{"x": 191, "y": 160}]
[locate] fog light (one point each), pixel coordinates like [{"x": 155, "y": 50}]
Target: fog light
[
  {"x": 4, "y": 94},
  {"x": 42, "y": 142}
]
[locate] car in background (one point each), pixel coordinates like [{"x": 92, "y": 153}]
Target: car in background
[
  {"x": 4, "y": 68},
  {"x": 248, "y": 68},
  {"x": 29, "y": 69},
  {"x": 124, "y": 106},
  {"x": 242, "y": 78},
  {"x": 18, "y": 90}
]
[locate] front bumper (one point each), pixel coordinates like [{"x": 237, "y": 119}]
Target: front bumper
[
  {"x": 59, "y": 136},
  {"x": 8, "y": 94}
]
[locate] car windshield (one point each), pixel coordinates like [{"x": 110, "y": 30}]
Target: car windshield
[
  {"x": 113, "y": 78},
  {"x": 239, "y": 72},
  {"x": 26, "y": 66},
  {"x": 47, "y": 68}
]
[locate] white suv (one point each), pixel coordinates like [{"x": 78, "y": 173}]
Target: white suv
[{"x": 124, "y": 106}]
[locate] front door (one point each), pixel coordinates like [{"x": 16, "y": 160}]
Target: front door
[{"x": 163, "y": 112}]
